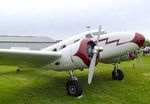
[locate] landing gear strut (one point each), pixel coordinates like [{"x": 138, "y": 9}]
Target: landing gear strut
[
  {"x": 73, "y": 86},
  {"x": 117, "y": 74}
]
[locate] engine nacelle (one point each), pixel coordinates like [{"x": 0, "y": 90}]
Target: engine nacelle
[
  {"x": 75, "y": 56},
  {"x": 127, "y": 57}
]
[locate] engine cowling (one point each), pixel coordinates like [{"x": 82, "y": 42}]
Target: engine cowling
[
  {"x": 85, "y": 51},
  {"x": 127, "y": 57},
  {"x": 75, "y": 56}
]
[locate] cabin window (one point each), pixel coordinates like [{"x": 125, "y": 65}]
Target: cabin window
[
  {"x": 63, "y": 46},
  {"x": 89, "y": 36},
  {"x": 54, "y": 49},
  {"x": 76, "y": 40}
]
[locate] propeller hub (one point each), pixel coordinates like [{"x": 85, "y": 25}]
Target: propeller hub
[{"x": 97, "y": 49}]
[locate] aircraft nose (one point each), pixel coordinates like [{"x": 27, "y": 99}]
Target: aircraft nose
[{"x": 139, "y": 39}]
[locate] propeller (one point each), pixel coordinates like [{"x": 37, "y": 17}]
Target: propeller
[
  {"x": 139, "y": 58},
  {"x": 96, "y": 51}
]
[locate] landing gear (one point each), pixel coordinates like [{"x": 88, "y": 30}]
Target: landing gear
[
  {"x": 117, "y": 74},
  {"x": 73, "y": 86}
]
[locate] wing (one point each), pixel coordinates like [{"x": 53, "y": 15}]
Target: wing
[{"x": 27, "y": 58}]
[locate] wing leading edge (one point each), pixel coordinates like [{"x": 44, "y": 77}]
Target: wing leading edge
[{"x": 27, "y": 58}]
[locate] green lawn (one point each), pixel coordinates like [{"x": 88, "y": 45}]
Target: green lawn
[{"x": 32, "y": 86}]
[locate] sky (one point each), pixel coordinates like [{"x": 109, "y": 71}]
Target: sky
[{"x": 61, "y": 19}]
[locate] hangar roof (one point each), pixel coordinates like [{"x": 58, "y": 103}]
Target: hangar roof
[{"x": 26, "y": 39}]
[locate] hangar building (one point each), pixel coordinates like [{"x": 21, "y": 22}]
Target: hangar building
[{"x": 25, "y": 42}]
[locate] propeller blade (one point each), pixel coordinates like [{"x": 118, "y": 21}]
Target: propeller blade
[
  {"x": 91, "y": 68},
  {"x": 140, "y": 60},
  {"x": 96, "y": 51},
  {"x": 98, "y": 36},
  {"x": 100, "y": 28}
]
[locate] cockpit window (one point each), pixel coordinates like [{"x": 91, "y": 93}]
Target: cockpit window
[
  {"x": 54, "y": 49},
  {"x": 89, "y": 36},
  {"x": 76, "y": 40},
  {"x": 95, "y": 33},
  {"x": 101, "y": 33}
]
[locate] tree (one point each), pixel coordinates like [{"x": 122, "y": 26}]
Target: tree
[{"x": 147, "y": 43}]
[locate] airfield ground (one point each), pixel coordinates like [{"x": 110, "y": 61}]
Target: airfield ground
[{"x": 30, "y": 86}]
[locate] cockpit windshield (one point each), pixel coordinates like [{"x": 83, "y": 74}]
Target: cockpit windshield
[
  {"x": 95, "y": 33},
  {"x": 89, "y": 36},
  {"x": 101, "y": 33}
]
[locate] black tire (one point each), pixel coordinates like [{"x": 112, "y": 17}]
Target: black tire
[
  {"x": 118, "y": 76},
  {"x": 73, "y": 88}
]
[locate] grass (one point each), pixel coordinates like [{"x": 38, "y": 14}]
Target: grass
[{"x": 30, "y": 86}]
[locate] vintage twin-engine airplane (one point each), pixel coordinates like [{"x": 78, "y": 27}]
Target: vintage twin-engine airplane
[{"x": 79, "y": 52}]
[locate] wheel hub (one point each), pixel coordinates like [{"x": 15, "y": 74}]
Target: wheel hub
[{"x": 72, "y": 89}]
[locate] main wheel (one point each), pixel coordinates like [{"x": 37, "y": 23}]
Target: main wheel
[
  {"x": 118, "y": 76},
  {"x": 73, "y": 88}
]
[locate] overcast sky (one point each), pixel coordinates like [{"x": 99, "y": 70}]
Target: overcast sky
[{"x": 60, "y": 19}]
